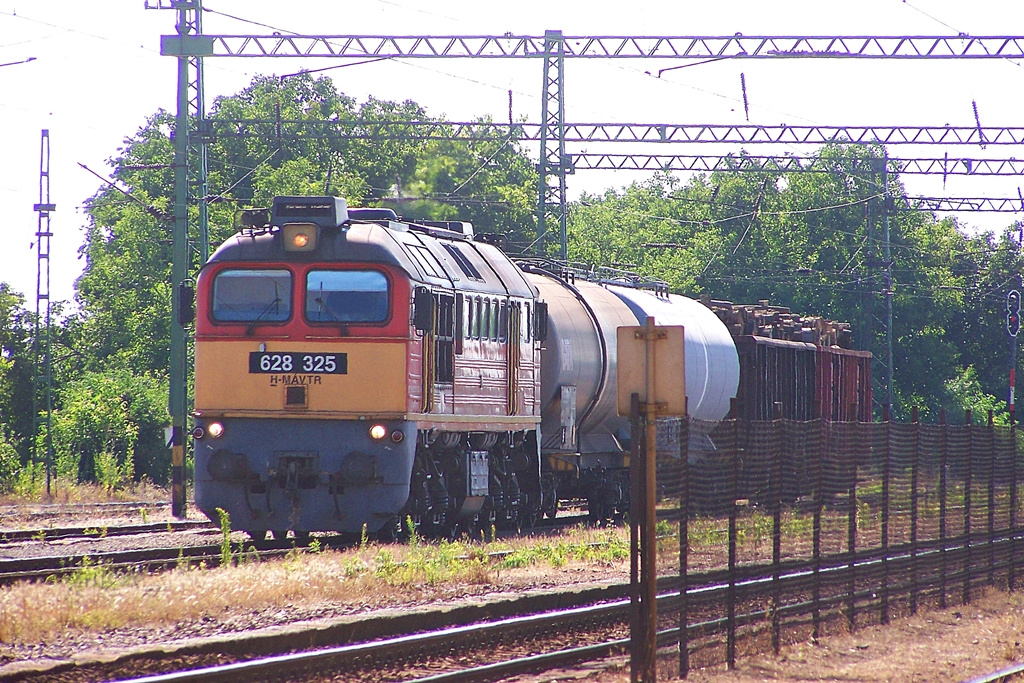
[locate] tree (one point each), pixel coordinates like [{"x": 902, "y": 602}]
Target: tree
[
  {"x": 119, "y": 338},
  {"x": 813, "y": 242},
  {"x": 16, "y": 372},
  {"x": 109, "y": 429}
]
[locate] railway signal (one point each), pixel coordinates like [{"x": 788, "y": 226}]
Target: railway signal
[{"x": 1013, "y": 312}]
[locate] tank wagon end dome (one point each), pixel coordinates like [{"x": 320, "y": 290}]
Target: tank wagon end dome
[{"x": 712, "y": 364}]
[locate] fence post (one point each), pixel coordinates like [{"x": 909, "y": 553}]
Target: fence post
[
  {"x": 776, "y": 497},
  {"x": 914, "y": 469},
  {"x": 851, "y": 524},
  {"x": 1012, "y": 578},
  {"x": 684, "y": 547},
  {"x": 943, "y": 464},
  {"x": 886, "y": 466},
  {"x": 991, "y": 499},
  {"x": 730, "y": 646},
  {"x": 816, "y": 541},
  {"x": 968, "y": 483},
  {"x": 636, "y": 506}
]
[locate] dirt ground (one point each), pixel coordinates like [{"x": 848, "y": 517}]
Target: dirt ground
[{"x": 956, "y": 644}]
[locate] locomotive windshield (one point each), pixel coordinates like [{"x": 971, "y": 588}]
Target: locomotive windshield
[
  {"x": 252, "y": 295},
  {"x": 346, "y": 296}
]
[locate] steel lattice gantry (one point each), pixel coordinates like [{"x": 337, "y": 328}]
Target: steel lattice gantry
[
  {"x": 554, "y": 47},
  {"x": 602, "y": 47},
  {"x": 693, "y": 133},
  {"x": 944, "y": 166}
]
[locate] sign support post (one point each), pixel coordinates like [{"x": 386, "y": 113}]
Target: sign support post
[{"x": 651, "y": 383}]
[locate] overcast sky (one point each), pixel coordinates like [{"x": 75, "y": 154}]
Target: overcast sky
[{"x": 96, "y": 73}]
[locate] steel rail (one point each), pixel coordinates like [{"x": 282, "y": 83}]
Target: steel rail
[
  {"x": 508, "y": 45},
  {"x": 901, "y": 560},
  {"x": 520, "y": 665},
  {"x": 35, "y": 568},
  {"x": 390, "y": 647},
  {"x": 46, "y": 508},
  {"x": 100, "y": 530},
  {"x": 999, "y": 676}
]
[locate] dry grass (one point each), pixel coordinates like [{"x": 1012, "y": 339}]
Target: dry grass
[
  {"x": 95, "y": 599},
  {"x": 68, "y": 493}
]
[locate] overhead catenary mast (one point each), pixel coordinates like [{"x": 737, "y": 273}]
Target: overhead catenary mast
[{"x": 42, "y": 386}]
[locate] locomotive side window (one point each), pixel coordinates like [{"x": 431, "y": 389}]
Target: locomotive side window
[
  {"x": 503, "y": 322},
  {"x": 346, "y": 296},
  {"x": 252, "y": 295},
  {"x": 527, "y": 319},
  {"x": 494, "y": 320},
  {"x": 485, "y": 322},
  {"x": 477, "y": 329}
]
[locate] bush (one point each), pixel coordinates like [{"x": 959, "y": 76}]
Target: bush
[
  {"x": 10, "y": 465},
  {"x": 109, "y": 429}
]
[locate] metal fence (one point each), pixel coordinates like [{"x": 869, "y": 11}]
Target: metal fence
[{"x": 790, "y": 530}]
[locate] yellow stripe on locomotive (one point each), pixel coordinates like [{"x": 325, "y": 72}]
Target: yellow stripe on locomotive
[{"x": 316, "y": 381}]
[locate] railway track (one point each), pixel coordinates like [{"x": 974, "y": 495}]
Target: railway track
[
  {"x": 157, "y": 559},
  {"x": 480, "y": 644},
  {"x": 485, "y": 640},
  {"x": 78, "y": 509},
  {"x": 1008, "y": 674},
  {"x": 149, "y": 559},
  {"x": 99, "y": 531},
  {"x": 809, "y": 587}
]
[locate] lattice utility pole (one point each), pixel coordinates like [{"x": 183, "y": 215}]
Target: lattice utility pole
[
  {"x": 42, "y": 384},
  {"x": 189, "y": 46},
  {"x": 553, "y": 167}
]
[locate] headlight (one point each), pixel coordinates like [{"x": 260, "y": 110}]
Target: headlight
[
  {"x": 215, "y": 430},
  {"x": 299, "y": 236},
  {"x": 378, "y": 432}
]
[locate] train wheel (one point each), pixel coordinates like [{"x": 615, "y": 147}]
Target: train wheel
[
  {"x": 301, "y": 537},
  {"x": 392, "y": 531},
  {"x": 257, "y": 535},
  {"x": 280, "y": 534}
]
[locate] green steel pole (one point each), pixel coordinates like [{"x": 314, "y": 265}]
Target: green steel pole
[{"x": 179, "y": 270}]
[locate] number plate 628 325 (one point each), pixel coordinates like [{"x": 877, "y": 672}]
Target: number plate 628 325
[{"x": 298, "y": 362}]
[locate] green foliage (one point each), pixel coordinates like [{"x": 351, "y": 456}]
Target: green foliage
[
  {"x": 16, "y": 370},
  {"x": 965, "y": 389},
  {"x": 10, "y": 465},
  {"x": 812, "y": 242},
  {"x": 109, "y": 428},
  {"x": 224, "y": 519}
]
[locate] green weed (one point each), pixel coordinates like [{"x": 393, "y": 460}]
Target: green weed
[{"x": 225, "y": 537}]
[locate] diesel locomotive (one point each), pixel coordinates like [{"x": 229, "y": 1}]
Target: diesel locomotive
[{"x": 353, "y": 371}]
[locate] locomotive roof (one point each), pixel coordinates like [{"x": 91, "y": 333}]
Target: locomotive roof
[{"x": 428, "y": 257}]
